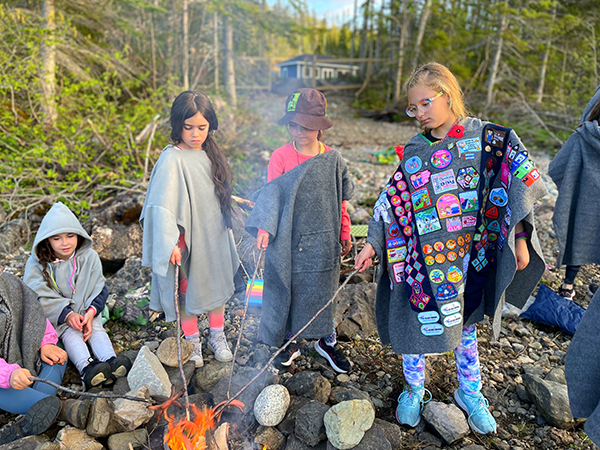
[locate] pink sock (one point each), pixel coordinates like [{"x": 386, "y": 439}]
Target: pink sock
[
  {"x": 190, "y": 326},
  {"x": 216, "y": 321}
]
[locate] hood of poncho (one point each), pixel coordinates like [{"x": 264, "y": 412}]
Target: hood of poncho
[
  {"x": 58, "y": 220},
  {"x": 590, "y": 133}
]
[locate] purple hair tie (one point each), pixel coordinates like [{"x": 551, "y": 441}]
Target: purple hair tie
[{"x": 521, "y": 235}]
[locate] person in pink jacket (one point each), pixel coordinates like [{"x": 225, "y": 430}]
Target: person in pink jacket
[{"x": 27, "y": 348}]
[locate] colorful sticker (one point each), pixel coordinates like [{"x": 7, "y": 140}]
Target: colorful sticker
[
  {"x": 492, "y": 213},
  {"x": 519, "y": 159},
  {"x": 444, "y": 181},
  {"x": 468, "y": 146},
  {"x": 531, "y": 177},
  {"x": 445, "y": 292},
  {"x": 469, "y": 201},
  {"x": 405, "y": 195},
  {"x": 438, "y": 246},
  {"x": 394, "y": 229},
  {"x": 448, "y": 205},
  {"x": 403, "y": 221},
  {"x": 460, "y": 241},
  {"x": 498, "y": 196},
  {"x": 450, "y": 244},
  {"x": 494, "y": 137},
  {"x": 469, "y": 221},
  {"x": 407, "y": 205},
  {"x": 398, "y": 270},
  {"x": 454, "y": 274},
  {"x": 395, "y": 200},
  {"x": 413, "y": 164},
  {"x": 453, "y": 224},
  {"x": 504, "y": 173},
  {"x": 397, "y": 254},
  {"x": 420, "y": 179},
  {"x": 420, "y": 302},
  {"x": 492, "y": 237},
  {"x": 427, "y": 249},
  {"x": 399, "y": 211},
  {"x": 494, "y": 225},
  {"x": 468, "y": 238},
  {"x": 402, "y": 185},
  {"x": 428, "y": 317},
  {"x": 461, "y": 252},
  {"x": 421, "y": 199},
  {"x": 468, "y": 178},
  {"x": 396, "y": 242},
  {"x": 391, "y": 190},
  {"x": 432, "y": 329},
  {"x": 427, "y": 221},
  {"x": 440, "y": 258},
  {"x": 451, "y": 256},
  {"x": 437, "y": 276},
  {"x": 398, "y": 176},
  {"x": 429, "y": 260},
  {"x": 407, "y": 230},
  {"x": 454, "y": 319},
  {"x": 441, "y": 159},
  {"x": 450, "y": 308}
]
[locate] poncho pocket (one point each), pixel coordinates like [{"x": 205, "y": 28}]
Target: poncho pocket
[{"x": 316, "y": 252}]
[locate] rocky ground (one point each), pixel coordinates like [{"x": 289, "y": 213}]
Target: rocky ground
[{"x": 523, "y": 372}]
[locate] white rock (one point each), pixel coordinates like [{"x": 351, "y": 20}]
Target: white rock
[
  {"x": 70, "y": 438},
  {"x": 347, "y": 422},
  {"x": 148, "y": 371},
  {"x": 130, "y": 415},
  {"x": 271, "y": 405}
]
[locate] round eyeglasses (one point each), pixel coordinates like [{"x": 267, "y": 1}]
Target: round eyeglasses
[{"x": 424, "y": 105}]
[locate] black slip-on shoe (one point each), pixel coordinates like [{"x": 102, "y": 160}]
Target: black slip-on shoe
[
  {"x": 96, "y": 374},
  {"x": 38, "y": 419},
  {"x": 333, "y": 355}
]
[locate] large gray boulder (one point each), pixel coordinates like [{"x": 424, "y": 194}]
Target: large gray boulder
[
  {"x": 148, "y": 371},
  {"x": 354, "y": 310}
]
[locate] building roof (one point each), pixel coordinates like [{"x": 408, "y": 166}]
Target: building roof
[{"x": 321, "y": 60}]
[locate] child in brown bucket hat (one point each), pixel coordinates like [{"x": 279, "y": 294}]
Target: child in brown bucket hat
[{"x": 306, "y": 118}]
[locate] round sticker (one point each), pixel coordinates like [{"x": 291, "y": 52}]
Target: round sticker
[
  {"x": 395, "y": 200},
  {"x": 399, "y": 210},
  {"x": 467, "y": 247},
  {"x": 454, "y": 274},
  {"x": 492, "y": 237},
  {"x": 441, "y": 159},
  {"x": 461, "y": 252},
  {"x": 451, "y": 244},
  {"x": 499, "y": 153},
  {"x": 461, "y": 241},
  {"x": 468, "y": 237},
  {"x": 401, "y": 185},
  {"x": 437, "y": 276},
  {"x": 427, "y": 249},
  {"x": 403, "y": 221},
  {"x": 413, "y": 164},
  {"x": 438, "y": 246},
  {"x": 398, "y": 176},
  {"x": 394, "y": 229},
  {"x": 440, "y": 258},
  {"x": 408, "y": 205},
  {"x": 488, "y": 148},
  {"x": 407, "y": 230},
  {"x": 429, "y": 260},
  {"x": 451, "y": 256},
  {"x": 405, "y": 196},
  {"x": 392, "y": 190}
]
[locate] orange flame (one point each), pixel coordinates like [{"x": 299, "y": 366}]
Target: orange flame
[{"x": 190, "y": 434}]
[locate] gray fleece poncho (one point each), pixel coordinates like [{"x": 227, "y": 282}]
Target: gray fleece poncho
[
  {"x": 443, "y": 229},
  {"x": 22, "y": 324},
  {"x": 576, "y": 171},
  {"x": 586, "y": 112},
  {"x": 83, "y": 271},
  {"x": 582, "y": 370},
  {"x": 181, "y": 198},
  {"x": 301, "y": 210}
]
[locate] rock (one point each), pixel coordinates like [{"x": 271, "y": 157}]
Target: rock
[
  {"x": 309, "y": 384},
  {"x": 374, "y": 439},
  {"x": 208, "y": 375},
  {"x": 447, "y": 420},
  {"x": 497, "y": 377},
  {"x": 121, "y": 441},
  {"x": 131, "y": 415},
  {"x": 271, "y": 405},
  {"x": 73, "y": 438},
  {"x": 270, "y": 437},
  {"x": 261, "y": 355},
  {"x": 152, "y": 345},
  {"x": 121, "y": 386},
  {"x": 557, "y": 375},
  {"x": 391, "y": 431},
  {"x": 473, "y": 447},
  {"x": 287, "y": 425},
  {"x": 309, "y": 427},
  {"x": 29, "y": 443},
  {"x": 167, "y": 352},
  {"x": 550, "y": 398},
  {"x": 100, "y": 421},
  {"x": 131, "y": 275},
  {"x": 354, "y": 310},
  {"x": 343, "y": 378},
  {"x": 347, "y": 422},
  {"x": 148, "y": 371},
  {"x": 361, "y": 216},
  {"x": 341, "y": 394},
  {"x": 14, "y": 235},
  {"x": 239, "y": 380},
  {"x": 293, "y": 443},
  {"x": 175, "y": 376}
]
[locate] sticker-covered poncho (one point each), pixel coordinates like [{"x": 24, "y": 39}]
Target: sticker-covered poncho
[{"x": 443, "y": 229}]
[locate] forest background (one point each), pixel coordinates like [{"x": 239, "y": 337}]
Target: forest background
[{"x": 86, "y": 85}]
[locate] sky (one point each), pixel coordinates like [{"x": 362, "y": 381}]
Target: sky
[{"x": 330, "y": 7}]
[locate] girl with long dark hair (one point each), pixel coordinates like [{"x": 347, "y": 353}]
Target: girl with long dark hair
[{"x": 186, "y": 220}]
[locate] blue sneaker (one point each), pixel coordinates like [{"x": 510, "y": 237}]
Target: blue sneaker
[
  {"x": 476, "y": 405},
  {"x": 410, "y": 405}
]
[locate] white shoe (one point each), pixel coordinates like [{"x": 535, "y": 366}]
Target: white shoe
[
  {"x": 218, "y": 345},
  {"x": 197, "y": 352}
]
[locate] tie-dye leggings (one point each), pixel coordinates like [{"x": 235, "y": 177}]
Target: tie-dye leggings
[{"x": 467, "y": 364}]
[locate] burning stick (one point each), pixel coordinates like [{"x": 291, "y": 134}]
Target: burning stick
[
  {"x": 248, "y": 292},
  {"x": 179, "y": 360},
  {"x": 225, "y": 404},
  {"x": 88, "y": 394}
]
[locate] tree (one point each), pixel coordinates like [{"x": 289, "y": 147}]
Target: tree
[{"x": 48, "y": 51}]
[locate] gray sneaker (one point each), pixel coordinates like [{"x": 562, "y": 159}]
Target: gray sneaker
[
  {"x": 197, "y": 352},
  {"x": 219, "y": 346}
]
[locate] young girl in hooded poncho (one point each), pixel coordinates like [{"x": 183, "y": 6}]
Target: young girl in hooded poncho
[
  {"x": 66, "y": 273},
  {"x": 186, "y": 220},
  {"x": 454, "y": 232}
]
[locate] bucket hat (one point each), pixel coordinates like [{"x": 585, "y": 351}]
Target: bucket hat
[{"x": 308, "y": 108}]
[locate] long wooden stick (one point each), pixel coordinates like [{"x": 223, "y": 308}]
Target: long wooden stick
[
  {"x": 239, "y": 339},
  {"x": 226, "y": 404},
  {"x": 88, "y": 394},
  {"x": 179, "y": 359}
]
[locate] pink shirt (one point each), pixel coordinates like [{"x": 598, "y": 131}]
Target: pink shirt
[
  {"x": 285, "y": 159},
  {"x": 6, "y": 370}
]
